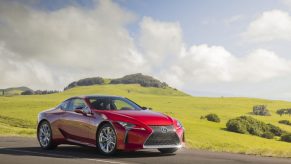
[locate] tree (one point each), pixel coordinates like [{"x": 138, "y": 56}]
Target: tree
[
  {"x": 86, "y": 82},
  {"x": 261, "y": 110},
  {"x": 143, "y": 80},
  {"x": 28, "y": 92},
  {"x": 281, "y": 111}
]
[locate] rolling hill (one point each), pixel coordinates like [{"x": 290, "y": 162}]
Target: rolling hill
[
  {"x": 13, "y": 91},
  {"x": 138, "y": 78},
  {"x": 18, "y": 116}
]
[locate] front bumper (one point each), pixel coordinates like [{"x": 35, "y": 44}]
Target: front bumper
[
  {"x": 162, "y": 146},
  {"x": 153, "y": 138}
]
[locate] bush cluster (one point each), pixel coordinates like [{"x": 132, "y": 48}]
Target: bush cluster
[
  {"x": 261, "y": 110},
  {"x": 268, "y": 135},
  {"x": 86, "y": 82},
  {"x": 212, "y": 117},
  {"x": 284, "y": 111},
  {"x": 286, "y": 122},
  {"x": 286, "y": 137},
  {"x": 249, "y": 125},
  {"x": 28, "y": 92},
  {"x": 39, "y": 92},
  {"x": 143, "y": 80}
]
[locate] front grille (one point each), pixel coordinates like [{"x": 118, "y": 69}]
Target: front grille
[{"x": 160, "y": 137}]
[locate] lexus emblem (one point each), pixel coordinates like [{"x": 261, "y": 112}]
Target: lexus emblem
[{"x": 164, "y": 130}]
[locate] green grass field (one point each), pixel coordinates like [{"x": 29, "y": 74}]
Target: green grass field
[{"x": 18, "y": 116}]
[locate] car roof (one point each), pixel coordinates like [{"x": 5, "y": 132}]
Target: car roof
[{"x": 95, "y": 96}]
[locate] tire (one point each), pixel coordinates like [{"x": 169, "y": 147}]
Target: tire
[
  {"x": 168, "y": 150},
  {"x": 106, "y": 140},
  {"x": 44, "y": 136}
]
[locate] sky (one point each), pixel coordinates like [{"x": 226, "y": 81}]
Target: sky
[{"x": 202, "y": 47}]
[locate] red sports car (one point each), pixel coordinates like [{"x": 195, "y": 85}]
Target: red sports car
[{"x": 109, "y": 123}]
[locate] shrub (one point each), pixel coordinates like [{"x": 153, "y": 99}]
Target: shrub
[
  {"x": 268, "y": 135},
  {"x": 249, "y": 125},
  {"x": 44, "y": 92},
  {"x": 261, "y": 110},
  {"x": 28, "y": 92},
  {"x": 237, "y": 126},
  {"x": 212, "y": 117},
  {"x": 281, "y": 111},
  {"x": 275, "y": 130},
  {"x": 286, "y": 122},
  {"x": 86, "y": 82},
  {"x": 286, "y": 137}
]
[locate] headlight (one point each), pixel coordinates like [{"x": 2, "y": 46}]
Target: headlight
[
  {"x": 128, "y": 126},
  {"x": 179, "y": 124}
]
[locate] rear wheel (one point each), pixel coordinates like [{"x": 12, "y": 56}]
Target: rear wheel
[
  {"x": 44, "y": 135},
  {"x": 106, "y": 140},
  {"x": 168, "y": 150}
]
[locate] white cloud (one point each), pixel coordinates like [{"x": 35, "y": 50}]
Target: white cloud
[
  {"x": 287, "y": 2},
  {"x": 262, "y": 64},
  {"x": 14, "y": 72},
  {"x": 205, "y": 64},
  {"x": 71, "y": 43},
  {"x": 160, "y": 42},
  {"x": 269, "y": 26}
]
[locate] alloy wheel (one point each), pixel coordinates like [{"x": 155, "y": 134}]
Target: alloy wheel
[
  {"x": 107, "y": 139},
  {"x": 44, "y": 135}
]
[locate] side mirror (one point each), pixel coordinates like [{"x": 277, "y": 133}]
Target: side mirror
[
  {"x": 83, "y": 110},
  {"x": 146, "y": 108},
  {"x": 80, "y": 111}
]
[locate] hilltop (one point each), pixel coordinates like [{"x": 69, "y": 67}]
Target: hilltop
[
  {"x": 138, "y": 78},
  {"x": 14, "y": 91}
]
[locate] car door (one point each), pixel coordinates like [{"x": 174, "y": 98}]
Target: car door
[{"x": 76, "y": 125}]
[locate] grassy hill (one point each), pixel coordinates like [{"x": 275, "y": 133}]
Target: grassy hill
[
  {"x": 13, "y": 91},
  {"x": 18, "y": 116}
]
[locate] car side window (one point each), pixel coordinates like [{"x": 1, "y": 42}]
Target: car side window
[
  {"x": 65, "y": 105},
  {"x": 77, "y": 104},
  {"x": 100, "y": 103}
]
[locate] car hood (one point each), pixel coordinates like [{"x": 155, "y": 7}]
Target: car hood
[{"x": 144, "y": 116}]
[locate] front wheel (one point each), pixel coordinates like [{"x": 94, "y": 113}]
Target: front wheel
[
  {"x": 168, "y": 150},
  {"x": 106, "y": 140},
  {"x": 44, "y": 135}
]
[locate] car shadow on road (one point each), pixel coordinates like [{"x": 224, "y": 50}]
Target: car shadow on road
[{"x": 77, "y": 152}]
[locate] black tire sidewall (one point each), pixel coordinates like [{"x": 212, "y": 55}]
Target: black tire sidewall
[{"x": 97, "y": 140}]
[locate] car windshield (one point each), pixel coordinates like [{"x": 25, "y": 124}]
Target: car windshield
[{"x": 113, "y": 103}]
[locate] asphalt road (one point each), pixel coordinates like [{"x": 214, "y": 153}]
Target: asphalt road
[{"x": 20, "y": 150}]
